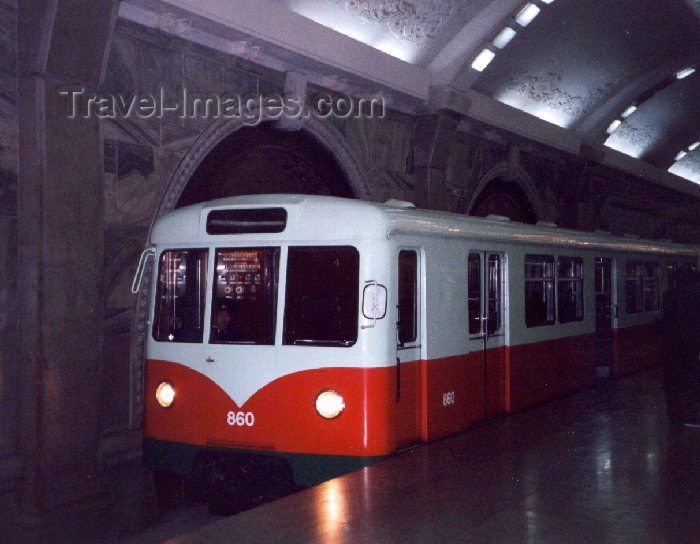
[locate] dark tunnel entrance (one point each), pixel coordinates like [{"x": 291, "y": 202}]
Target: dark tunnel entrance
[
  {"x": 265, "y": 160},
  {"x": 507, "y": 198}
]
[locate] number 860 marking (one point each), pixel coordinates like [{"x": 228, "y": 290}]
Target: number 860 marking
[
  {"x": 448, "y": 398},
  {"x": 240, "y": 419}
]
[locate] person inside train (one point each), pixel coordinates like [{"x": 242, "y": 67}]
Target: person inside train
[
  {"x": 681, "y": 359},
  {"x": 222, "y": 327}
]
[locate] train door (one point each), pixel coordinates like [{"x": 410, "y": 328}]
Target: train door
[
  {"x": 603, "y": 315},
  {"x": 408, "y": 348},
  {"x": 487, "y": 325}
]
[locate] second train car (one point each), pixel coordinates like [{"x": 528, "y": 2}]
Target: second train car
[{"x": 327, "y": 333}]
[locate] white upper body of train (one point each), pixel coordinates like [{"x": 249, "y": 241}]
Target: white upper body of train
[{"x": 353, "y": 284}]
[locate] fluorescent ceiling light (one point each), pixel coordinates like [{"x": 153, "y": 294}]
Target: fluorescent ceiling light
[
  {"x": 629, "y": 111},
  {"x": 685, "y": 72},
  {"x": 527, "y": 14},
  {"x": 548, "y": 1},
  {"x": 483, "y": 59},
  {"x": 503, "y": 37},
  {"x": 614, "y": 126},
  {"x": 680, "y": 169},
  {"x": 680, "y": 155},
  {"x": 694, "y": 146}
]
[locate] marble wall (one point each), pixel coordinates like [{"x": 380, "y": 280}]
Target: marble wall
[
  {"x": 8, "y": 249},
  {"x": 140, "y": 157},
  {"x": 8, "y": 220}
]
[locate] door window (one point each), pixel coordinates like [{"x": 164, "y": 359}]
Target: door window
[
  {"x": 408, "y": 297},
  {"x": 493, "y": 278},
  {"x": 474, "y": 292},
  {"x": 484, "y": 284}
]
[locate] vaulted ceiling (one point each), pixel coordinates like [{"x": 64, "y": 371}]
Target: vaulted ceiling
[{"x": 615, "y": 76}]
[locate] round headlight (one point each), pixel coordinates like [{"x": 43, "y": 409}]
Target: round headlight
[
  {"x": 329, "y": 404},
  {"x": 165, "y": 394}
]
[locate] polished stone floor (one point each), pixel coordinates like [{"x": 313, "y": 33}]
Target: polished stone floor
[{"x": 602, "y": 466}]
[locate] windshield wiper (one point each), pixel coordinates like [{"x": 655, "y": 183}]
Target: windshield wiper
[{"x": 306, "y": 342}]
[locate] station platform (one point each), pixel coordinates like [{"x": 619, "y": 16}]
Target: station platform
[{"x": 600, "y": 466}]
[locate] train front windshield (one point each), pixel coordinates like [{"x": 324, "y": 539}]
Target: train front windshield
[{"x": 321, "y": 302}]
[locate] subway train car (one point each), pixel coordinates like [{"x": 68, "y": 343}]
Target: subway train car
[{"x": 320, "y": 334}]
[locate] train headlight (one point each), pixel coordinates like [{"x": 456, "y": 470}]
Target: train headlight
[
  {"x": 329, "y": 404},
  {"x": 165, "y": 394}
]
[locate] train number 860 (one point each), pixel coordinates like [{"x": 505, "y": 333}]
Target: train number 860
[{"x": 240, "y": 419}]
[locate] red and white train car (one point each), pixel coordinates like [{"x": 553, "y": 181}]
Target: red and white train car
[{"x": 329, "y": 333}]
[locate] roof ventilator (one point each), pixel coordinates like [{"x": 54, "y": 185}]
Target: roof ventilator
[{"x": 395, "y": 203}]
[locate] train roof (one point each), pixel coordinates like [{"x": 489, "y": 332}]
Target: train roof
[{"x": 333, "y": 218}]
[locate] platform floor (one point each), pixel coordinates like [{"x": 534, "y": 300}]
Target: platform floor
[{"x": 601, "y": 466}]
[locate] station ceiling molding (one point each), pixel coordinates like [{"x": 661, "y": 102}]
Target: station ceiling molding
[{"x": 621, "y": 77}]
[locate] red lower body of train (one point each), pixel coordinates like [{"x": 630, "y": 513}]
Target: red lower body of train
[{"x": 387, "y": 409}]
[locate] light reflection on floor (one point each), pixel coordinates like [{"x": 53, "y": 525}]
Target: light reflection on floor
[{"x": 600, "y": 466}]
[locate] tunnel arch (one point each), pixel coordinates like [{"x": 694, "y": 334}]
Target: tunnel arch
[
  {"x": 508, "y": 191},
  {"x": 265, "y": 160},
  {"x": 325, "y": 136}
]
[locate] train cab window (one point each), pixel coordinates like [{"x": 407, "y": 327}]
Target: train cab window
[
  {"x": 180, "y": 296},
  {"x": 650, "y": 286},
  {"x": 408, "y": 297},
  {"x": 539, "y": 290},
  {"x": 245, "y": 296},
  {"x": 322, "y": 298},
  {"x": 570, "y": 289},
  {"x": 474, "y": 292}
]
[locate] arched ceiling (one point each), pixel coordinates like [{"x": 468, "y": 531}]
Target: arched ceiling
[{"x": 567, "y": 78}]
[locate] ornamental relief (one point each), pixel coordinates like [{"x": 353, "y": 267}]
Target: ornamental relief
[
  {"x": 546, "y": 89},
  {"x": 638, "y": 136},
  {"x": 413, "y": 21}
]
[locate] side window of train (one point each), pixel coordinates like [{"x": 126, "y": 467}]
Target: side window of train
[
  {"x": 570, "y": 289},
  {"x": 408, "y": 297},
  {"x": 322, "y": 296},
  {"x": 244, "y": 300},
  {"x": 641, "y": 287},
  {"x": 539, "y": 290},
  {"x": 180, "y": 296}
]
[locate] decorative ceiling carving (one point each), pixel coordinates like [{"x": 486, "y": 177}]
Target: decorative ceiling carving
[
  {"x": 414, "y": 21},
  {"x": 546, "y": 89},
  {"x": 638, "y": 136}
]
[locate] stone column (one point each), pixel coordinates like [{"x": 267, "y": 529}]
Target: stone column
[
  {"x": 434, "y": 135},
  {"x": 60, "y": 258}
]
